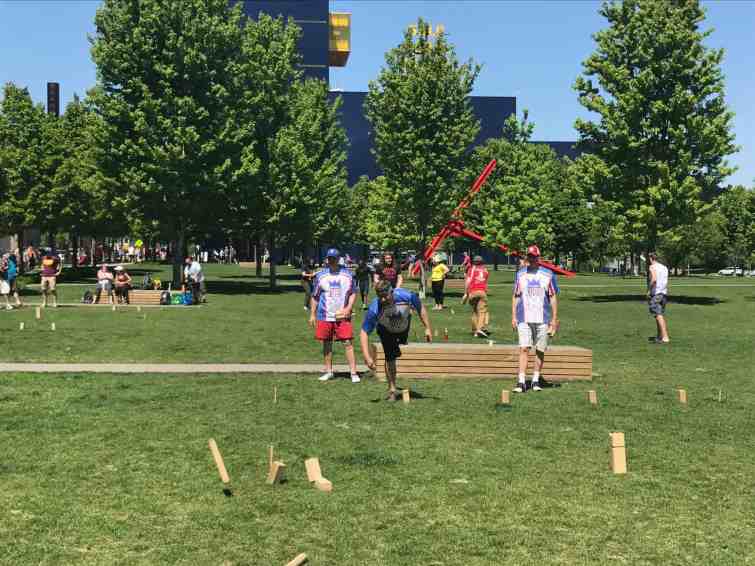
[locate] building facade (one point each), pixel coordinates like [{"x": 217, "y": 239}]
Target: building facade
[{"x": 326, "y": 43}]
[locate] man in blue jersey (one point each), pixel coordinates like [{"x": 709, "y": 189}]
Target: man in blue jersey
[
  {"x": 534, "y": 314},
  {"x": 333, "y": 296},
  {"x": 391, "y": 314}
]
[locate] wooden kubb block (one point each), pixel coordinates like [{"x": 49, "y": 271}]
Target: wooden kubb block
[
  {"x": 314, "y": 475},
  {"x": 682, "y": 395},
  {"x": 592, "y": 396},
  {"x": 618, "y": 453},
  {"x": 277, "y": 473},
  {"x": 299, "y": 560},
  {"x": 505, "y": 397},
  {"x": 406, "y": 395}
]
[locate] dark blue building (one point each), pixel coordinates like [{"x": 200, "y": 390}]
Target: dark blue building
[{"x": 325, "y": 43}]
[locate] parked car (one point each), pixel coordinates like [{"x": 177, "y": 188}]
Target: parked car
[{"x": 731, "y": 271}]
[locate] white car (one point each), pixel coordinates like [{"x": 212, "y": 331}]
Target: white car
[{"x": 730, "y": 271}]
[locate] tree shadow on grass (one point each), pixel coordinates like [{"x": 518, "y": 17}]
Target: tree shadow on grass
[
  {"x": 265, "y": 277},
  {"x": 249, "y": 288},
  {"x": 676, "y": 299}
]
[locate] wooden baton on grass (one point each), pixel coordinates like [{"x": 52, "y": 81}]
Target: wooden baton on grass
[
  {"x": 299, "y": 560},
  {"x": 219, "y": 462}
]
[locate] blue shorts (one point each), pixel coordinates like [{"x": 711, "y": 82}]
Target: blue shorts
[{"x": 657, "y": 304}]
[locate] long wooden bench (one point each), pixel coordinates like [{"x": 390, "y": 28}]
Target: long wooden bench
[
  {"x": 441, "y": 359},
  {"x": 144, "y": 297}
]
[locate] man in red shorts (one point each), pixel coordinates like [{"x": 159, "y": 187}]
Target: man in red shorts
[{"x": 333, "y": 296}]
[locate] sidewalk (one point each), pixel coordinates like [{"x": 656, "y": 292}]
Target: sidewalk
[{"x": 171, "y": 368}]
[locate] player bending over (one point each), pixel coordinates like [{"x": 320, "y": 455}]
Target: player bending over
[{"x": 391, "y": 314}]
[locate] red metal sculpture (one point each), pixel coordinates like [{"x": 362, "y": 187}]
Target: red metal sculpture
[{"x": 455, "y": 227}]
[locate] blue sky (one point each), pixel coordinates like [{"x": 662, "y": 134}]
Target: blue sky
[{"x": 531, "y": 49}]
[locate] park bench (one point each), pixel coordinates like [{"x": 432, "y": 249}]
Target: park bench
[
  {"x": 454, "y": 285},
  {"x": 144, "y": 297},
  {"x": 441, "y": 359}
]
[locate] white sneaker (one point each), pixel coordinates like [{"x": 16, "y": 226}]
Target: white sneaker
[
  {"x": 8, "y": 308},
  {"x": 536, "y": 386},
  {"x": 327, "y": 376},
  {"x": 355, "y": 378}
]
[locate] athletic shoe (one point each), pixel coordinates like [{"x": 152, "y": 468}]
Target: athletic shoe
[
  {"x": 481, "y": 334},
  {"x": 327, "y": 376},
  {"x": 659, "y": 341},
  {"x": 536, "y": 386},
  {"x": 8, "y": 308},
  {"x": 355, "y": 378},
  {"x": 521, "y": 387},
  {"x": 391, "y": 396}
]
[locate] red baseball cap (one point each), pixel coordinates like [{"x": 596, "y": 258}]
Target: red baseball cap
[{"x": 533, "y": 250}]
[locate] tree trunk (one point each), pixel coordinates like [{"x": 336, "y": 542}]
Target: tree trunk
[
  {"x": 21, "y": 251},
  {"x": 271, "y": 251},
  {"x": 179, "y": 252},
  {"x": 93, "y": 249},
  {"x": 495, "y": 259},
  {"x": 257, "y": 256}
]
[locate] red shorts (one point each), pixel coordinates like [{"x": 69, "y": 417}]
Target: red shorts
[{"x": 339, "y": 330}]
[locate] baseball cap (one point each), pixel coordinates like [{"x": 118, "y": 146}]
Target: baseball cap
[
  {"x": 332, "y": 252},
  {"x": 533, "y": 250}
]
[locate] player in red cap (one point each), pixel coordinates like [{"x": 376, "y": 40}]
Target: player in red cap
[{"x": 534, "y": 314}]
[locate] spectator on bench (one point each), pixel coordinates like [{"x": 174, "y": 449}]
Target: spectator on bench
[
  {"x": 122, "y": 284},
  {"x": 104, "y": 283}
]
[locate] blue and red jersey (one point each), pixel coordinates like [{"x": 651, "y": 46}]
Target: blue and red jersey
[
  {"x": 332, "y": 290},
  {"x": 534, "y": 289}
]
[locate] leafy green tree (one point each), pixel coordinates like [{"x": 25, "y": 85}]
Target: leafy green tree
[
  {"x": 423, "y": 127},
  {"x": 170, "y": 100},
  {"x": 515, "y": 207},
  {"x": 24, "y": 134},
  {"x": 307, "y": 170},
  {"x": 664, "y": 130},
  {"x": 709, "y": 238},
  {"x": 737, "y": 206}
]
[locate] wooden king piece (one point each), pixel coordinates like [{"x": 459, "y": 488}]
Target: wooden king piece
[{"x": 618, "y": 453}]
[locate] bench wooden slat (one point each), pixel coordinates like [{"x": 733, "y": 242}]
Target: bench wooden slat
[{"x": 423, "y": 360}]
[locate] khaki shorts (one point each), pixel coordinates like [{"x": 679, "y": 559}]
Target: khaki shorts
[
  {"x": 48, "y": 283},
  {"x": 533, "y": 334},
  {"x": 479, "y": 302}
]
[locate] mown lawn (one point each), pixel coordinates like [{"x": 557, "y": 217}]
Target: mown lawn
[{"x": 115, "y": 469}]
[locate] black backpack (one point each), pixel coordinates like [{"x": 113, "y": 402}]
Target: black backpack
[
  {"x": 165, "y": 298},
  {"x": 147, "y": 282},
  {"x": 88, "y": 298}
]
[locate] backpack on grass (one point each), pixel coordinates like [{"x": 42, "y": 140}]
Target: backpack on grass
[{"x": 88, "y": 298}]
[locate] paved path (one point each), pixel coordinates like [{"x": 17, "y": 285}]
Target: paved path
[{"x": 169, "y": 368}]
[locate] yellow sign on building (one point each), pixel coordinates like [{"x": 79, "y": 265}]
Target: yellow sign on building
[{"x": 340, "y": 39}]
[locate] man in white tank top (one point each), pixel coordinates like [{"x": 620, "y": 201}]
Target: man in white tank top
[{"x": 658, "y": 296}]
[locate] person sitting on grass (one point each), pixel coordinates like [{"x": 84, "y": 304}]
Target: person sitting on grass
[
  {"x": 391, "y": 314},
  {"x": 104, "y": 283},
  {"x": 122, "y": 284}
]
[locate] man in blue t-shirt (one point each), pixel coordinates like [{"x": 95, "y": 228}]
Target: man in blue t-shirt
[{"x": 391, "y": 314}]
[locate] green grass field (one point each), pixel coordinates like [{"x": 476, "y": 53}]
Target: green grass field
[{"x": 115, "y": 469}]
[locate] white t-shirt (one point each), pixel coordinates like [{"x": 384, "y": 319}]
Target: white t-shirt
[
  {"x": 661, "y": 279},
  {"x": 194, "y": 272}
]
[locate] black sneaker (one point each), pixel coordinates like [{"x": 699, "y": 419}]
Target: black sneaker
[
  {"x": 481, "y": 334},
  {"x": 536, "y": 386},
  {"x": 521, "y": 387}
]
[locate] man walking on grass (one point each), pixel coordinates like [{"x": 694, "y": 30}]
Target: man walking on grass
[
  {"x": 390, "y": 313},
  {"x": 534, "y": 314},
  {"x": 657, "y": 297},
  {"x": 51, "y": 269},
  {"x": 333, "y": 296},
  {"x": 476, "y": 292}
]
